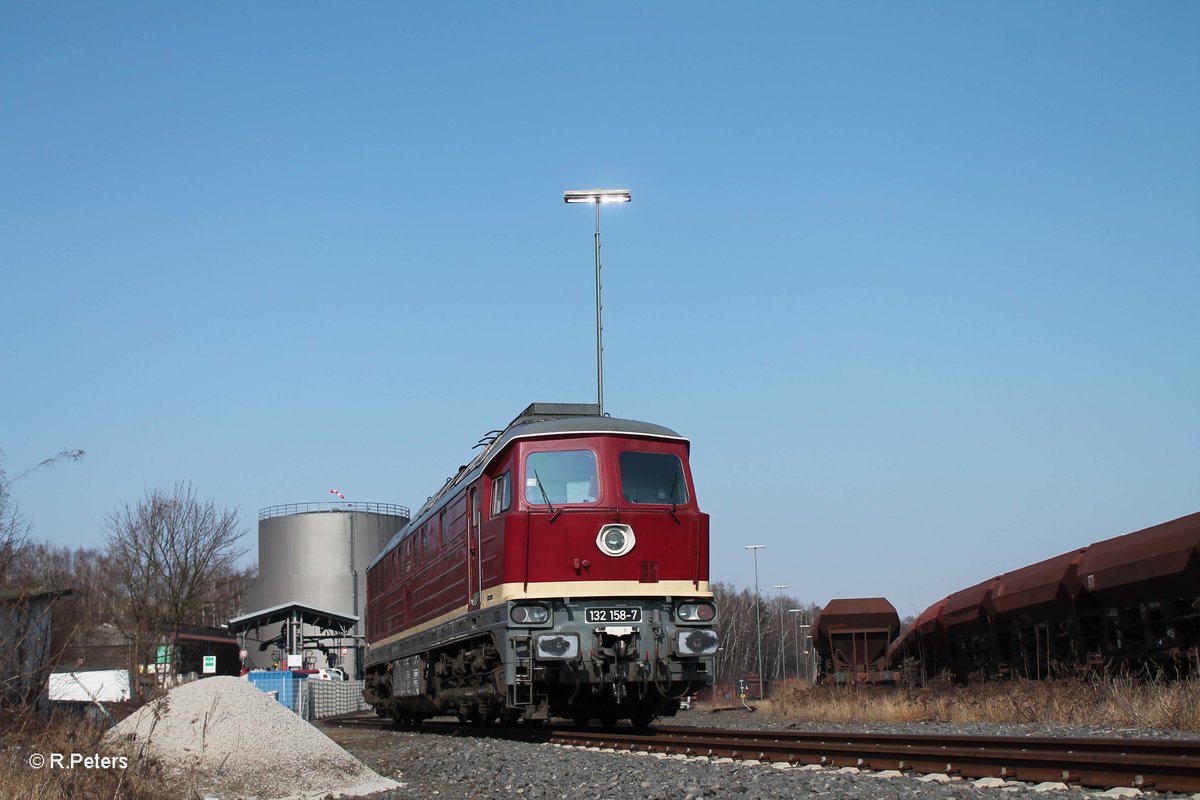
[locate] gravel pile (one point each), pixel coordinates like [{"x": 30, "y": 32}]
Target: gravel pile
[
  {"x": 225, "y": 738},
  {"x": 446, "y": 767}
]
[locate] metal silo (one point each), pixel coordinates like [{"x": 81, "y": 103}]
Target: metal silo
[{"x": 317, "y": 554}]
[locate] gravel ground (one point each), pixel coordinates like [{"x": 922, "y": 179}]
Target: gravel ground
[{"x": 446, "y": 767}]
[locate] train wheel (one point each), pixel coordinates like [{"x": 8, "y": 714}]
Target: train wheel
[{"x": 642, "y": 715}]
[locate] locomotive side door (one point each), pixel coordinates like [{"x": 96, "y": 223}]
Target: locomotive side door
[{"x": 474, "y": 556}]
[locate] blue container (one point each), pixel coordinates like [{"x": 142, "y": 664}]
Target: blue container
[{"x": 284, "y": 683}]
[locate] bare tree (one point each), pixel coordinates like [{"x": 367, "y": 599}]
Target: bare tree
[
  {"x": 782, "y": 652},
  {"x": 228, "y": 597},
  {"x": 168, "y": 553},
  {"x": 26, "y": 597},
  {"x": 14, "y": 529}
]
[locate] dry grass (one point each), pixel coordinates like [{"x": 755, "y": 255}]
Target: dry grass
[
  {"x": 1118, "y": 702},
  {"x": 22, "y": 735}
]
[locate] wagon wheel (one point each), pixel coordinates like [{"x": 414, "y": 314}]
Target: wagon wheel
[{"x": 642, "y": 715}]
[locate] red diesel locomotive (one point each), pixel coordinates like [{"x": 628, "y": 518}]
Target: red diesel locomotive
[{"x": 563, "y": 572}]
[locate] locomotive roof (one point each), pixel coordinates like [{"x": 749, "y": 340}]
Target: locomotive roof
[{"x": 538, "y": 420}]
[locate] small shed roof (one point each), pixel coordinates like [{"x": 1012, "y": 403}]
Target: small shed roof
[{"x": 283, "y": 611}]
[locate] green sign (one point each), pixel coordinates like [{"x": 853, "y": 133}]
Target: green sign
[{"x": 210, "y": 665}]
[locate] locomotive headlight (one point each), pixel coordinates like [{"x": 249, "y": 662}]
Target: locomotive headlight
[
  {"x": 615, "y": 540},
  {"x": 529, "y": 615},
  {"x": 695, "y": 612}
]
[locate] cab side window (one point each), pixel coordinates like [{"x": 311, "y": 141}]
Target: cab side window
[{"x": 501, "y": 493}]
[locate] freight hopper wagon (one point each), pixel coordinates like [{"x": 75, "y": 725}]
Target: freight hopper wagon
[
  {"x": 563, "y": 572},
  {"x": 851, "y": 637},
  {"x": 1129, "y": 602}
]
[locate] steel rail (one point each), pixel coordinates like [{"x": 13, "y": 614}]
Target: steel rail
[
  {"x": 1168, "y": 765},
  {"x": 1164, "y": 765}
]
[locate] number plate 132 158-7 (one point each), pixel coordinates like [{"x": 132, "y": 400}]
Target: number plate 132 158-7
[{"x": 612, "y": 615}]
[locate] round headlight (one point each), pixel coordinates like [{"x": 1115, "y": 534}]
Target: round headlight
[
  {"x": 696, "y": 612},
  {"x": 529, "y": 615},
  {"x": 615, "y": 540}
]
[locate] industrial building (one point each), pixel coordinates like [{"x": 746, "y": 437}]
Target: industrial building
[{"x": 311, "y": 591}]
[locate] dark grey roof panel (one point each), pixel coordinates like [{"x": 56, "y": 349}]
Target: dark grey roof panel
[
  {"x": 588, "y": 425},
  {"x": 283, "y": 611},
  {"x": 540, "y": 411}
]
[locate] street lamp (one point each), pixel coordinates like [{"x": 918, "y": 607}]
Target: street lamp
[
  {"x": 782, "y": 634},
  {"x": 597, "y": 197},
  {"x": 799, "y": 668},
  {"x": 757, "y": 614},
  {"x": 810, "y": 664}
]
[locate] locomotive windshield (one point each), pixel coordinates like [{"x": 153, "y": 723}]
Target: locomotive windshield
[
  {"x": 652, "y": 478},
  {"x": 562, "y": 476}
]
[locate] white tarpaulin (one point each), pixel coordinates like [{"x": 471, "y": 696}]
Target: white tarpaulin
[{"x": 103, "y": 685}]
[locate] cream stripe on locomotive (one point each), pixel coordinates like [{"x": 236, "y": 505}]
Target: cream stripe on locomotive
[
  {"x": 509, "y": 592},
  {"x": 559, "y": 589}
]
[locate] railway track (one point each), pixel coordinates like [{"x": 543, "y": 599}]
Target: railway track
[{"x": 1147, "y": 764}]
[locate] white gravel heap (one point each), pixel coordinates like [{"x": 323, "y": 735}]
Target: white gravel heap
[{"x": 227, "y": 739}]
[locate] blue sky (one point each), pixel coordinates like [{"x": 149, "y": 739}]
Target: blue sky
[{"x": 918, "y": 280}]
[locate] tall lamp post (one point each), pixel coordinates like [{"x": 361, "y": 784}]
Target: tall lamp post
[
  {"x": 782, "y": 633},
  {"x": 757, "y": 614},
  {"x": 796, "y": 619},
  {"x": 810, "y": 655},
  {"x": 597, "y": 197}
]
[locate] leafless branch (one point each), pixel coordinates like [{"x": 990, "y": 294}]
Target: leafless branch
[{"x": 63, "y": 455}]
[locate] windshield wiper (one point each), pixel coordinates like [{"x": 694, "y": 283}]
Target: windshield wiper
[
  {"x": 545, "y": 497},
  {"x": 674, "y": 495}
]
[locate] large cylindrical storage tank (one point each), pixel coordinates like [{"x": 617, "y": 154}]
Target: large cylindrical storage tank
[{"x": 317, "y": 554}]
